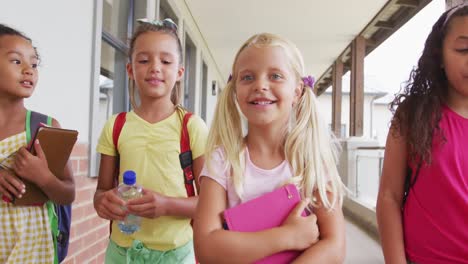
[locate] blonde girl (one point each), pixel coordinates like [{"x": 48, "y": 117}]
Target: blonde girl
[{"x": 285, "y": 141}]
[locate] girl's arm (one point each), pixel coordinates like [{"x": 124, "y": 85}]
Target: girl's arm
[
  {"x": 36, "y": 170},
  {"x": 107, "y": 203},
  {"x": 152, "y": 204},
  {"x": 213, "y": 244},
  {"x": 390, "y": 199},
  {"x": 331, "y": 246}
]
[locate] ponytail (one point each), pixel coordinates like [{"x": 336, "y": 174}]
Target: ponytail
[{"x": 313, "y": 153}]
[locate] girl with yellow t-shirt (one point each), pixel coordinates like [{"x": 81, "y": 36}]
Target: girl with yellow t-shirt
[{"x": 149, "y": 144}]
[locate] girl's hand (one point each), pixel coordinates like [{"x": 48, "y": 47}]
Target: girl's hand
[
  {"x": 109, "y": 205},
  {"x": 10, "y": 186},
  {"x": 303, "y": 231},
  {"x": 32, "y": 168},
  {"x": 150, "y": 205}
]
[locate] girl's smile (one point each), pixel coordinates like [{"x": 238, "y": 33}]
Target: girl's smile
[{"x": 262, "y": 103}]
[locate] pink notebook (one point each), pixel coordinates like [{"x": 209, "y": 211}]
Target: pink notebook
[{"x": 265, "y": 212}]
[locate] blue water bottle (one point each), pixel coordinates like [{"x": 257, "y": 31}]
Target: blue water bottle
[{"x": 129, "y": 190}]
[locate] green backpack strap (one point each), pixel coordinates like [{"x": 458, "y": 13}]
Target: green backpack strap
[
  {"x": 53, "y": 226},
  {"x": 33, "y": 120}
]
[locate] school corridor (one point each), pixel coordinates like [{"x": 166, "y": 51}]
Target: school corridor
[{"x": 84, "y": 81}]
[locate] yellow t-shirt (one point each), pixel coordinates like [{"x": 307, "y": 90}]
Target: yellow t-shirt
[{"x": 152, "y": 151}]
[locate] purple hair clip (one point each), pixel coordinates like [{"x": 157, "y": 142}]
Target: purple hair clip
[
  {"x": 230, "y": 77},
  {"x": 308, "y": 81}
]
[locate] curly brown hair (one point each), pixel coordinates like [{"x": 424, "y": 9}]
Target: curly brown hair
[{"x": 417, "y": 110}]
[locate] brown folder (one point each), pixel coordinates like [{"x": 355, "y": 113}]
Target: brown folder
[{"x": 57, "y": 144}]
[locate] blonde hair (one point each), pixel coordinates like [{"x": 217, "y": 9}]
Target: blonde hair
[{"x": 309, "y": 147}]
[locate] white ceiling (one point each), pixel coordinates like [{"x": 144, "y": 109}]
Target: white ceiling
[{"x": 321, "y": 29}]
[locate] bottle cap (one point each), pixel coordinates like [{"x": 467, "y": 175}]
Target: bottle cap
[{"x": 129, "y": 177}]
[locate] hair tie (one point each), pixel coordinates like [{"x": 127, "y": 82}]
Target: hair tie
[
  {"x": 165, "y": 23},
  {"x": 453, "y": 10},
  {"x": 308, "y": 81},
  {"x": 230, "y": 77}
]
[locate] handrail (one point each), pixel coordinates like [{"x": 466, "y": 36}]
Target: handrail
[{"x": 371, "y": 148}]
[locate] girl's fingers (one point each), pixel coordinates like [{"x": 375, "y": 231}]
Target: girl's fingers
[
  {"x": 5, "y": 193},
  {"x": 106, "y": 214},
  {"x": 38, "y": 148},
  {"x": 18, "y": 165},
  {"x": 148, "y": 213},
  {"x": 17, "y": 193},
  {"x": 297, "y": 211},
  {"x": 22, "y": 156},
  {"x": 140, "y": 200},
  {"x": 112, "y": 212},
  {"x": 17, "y": 184},
  {"x": 116, "y": 206},
  {"x": 113, "y": 198},
  {"x": 19, "y": 154},
  {"x": 10, "y": 191},
  {"x": 139, "y": 208},
  {"x": 115, "y": 214},
  {"x": 119, "y": 212},
  {"x": 12, "y": 185},
  {"x": 312, "y": 217}
]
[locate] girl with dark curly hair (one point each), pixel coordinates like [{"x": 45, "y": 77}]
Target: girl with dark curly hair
[{"x": 428, "y": 140}]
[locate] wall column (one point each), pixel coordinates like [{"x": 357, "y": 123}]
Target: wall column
[
  {"x": 337, "y": 97},
  {"x": 356, "y": 104}
]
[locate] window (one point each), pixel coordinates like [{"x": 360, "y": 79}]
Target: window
[
  {"x": 190, "y": 74},
  {"x": 112, "y": 79},
  {"x": 165, "y": 11},
  {"x": 116, "y": 18},
  {"x": 116, "y": 30},
  {"x": 204, "y": 87},
  {"x": 112, "y": 96}
]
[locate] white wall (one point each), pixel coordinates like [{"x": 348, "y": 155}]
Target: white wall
[
  {"x": 382, "y": 120},
  {"x": 62, "y": 31},
  {"x": 203, "y": 53},
  {"x": 381, "y": 116}
]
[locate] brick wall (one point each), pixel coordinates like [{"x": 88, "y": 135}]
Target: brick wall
[{"x": 89, "y": 233}]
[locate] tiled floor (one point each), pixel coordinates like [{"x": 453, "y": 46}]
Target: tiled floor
[{"x": 360, "y": 247}]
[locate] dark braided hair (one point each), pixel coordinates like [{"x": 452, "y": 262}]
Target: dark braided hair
[{"x": 417, "y": 111}]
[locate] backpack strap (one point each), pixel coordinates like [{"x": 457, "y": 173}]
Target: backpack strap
[
  {"x": 408, "y": 182},
  {"x": 33, "y": 121},
  {"x": 118, "y": 125},
  {"x": 117, "y": 128},
  {"x": 185, "y": 156}
]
